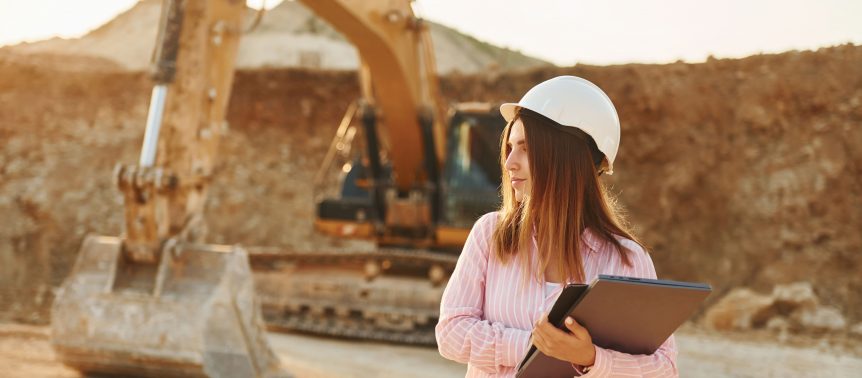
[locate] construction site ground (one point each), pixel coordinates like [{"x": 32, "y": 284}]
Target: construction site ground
[{"x": 25, "y": 351}]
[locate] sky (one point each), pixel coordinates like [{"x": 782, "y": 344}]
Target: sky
[{"x": 564, "y": 32}]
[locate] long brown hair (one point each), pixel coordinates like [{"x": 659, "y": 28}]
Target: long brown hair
[{"x": 565, "y": 197}]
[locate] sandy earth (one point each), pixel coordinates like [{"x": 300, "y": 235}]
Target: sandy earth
[
  {"x": 711, "y": 355},
  {"x": 25, "y": 351}
]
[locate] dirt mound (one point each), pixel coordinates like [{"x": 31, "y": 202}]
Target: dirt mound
[
  {"x": 736, "y": 172},
  {"x": 289, "y": 35}
]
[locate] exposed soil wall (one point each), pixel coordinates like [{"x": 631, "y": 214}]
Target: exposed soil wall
[{"x": 735, "y": 172}]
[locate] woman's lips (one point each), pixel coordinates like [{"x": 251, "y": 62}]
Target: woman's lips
[{"x": 517, "y": 181}]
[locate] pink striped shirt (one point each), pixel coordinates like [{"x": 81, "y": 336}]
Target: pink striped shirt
[{"x": 487, "y": 315}]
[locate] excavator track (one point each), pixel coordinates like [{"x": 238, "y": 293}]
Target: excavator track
[
  {"x": 366, "y": 331},
  {"x": 386, "y": 294}
]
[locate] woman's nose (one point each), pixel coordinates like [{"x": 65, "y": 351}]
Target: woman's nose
[{"x": 510, "y": 162}]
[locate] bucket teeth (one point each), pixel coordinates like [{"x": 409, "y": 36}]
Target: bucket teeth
[{"x": 203, "y": 320}]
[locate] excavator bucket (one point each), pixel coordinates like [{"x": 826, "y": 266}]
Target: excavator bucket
[{"x": 192, "y": 314}]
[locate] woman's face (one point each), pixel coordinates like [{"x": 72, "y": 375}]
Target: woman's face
[{"x": 516, "y": 163}]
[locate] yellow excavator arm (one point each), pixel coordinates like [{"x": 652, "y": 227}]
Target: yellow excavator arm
[{"x": 398, "y": 76}]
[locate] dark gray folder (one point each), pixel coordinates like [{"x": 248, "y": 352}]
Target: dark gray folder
[{"x": 630, "y": 315}]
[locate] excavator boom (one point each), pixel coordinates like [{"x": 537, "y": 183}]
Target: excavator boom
[{"x": 396, "y": 56}]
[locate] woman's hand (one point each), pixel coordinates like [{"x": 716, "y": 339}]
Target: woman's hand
[{"x": 576, "y": 347}]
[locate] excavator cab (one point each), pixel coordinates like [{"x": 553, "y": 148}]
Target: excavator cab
[
  {"x": 471, "y": 173},
  {"x": 354, "y": 201}
]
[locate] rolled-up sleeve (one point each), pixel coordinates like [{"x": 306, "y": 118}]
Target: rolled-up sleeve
[{"x": 462, "y": 333}]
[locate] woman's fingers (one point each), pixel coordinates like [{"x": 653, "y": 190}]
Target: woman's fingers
[
  {"x": 551, "y": 336},
  {"x": 546, "y": 330},
  {"x": 539, "y": 341},
  {"x": 557, "y": 343},
  {"x": 542, "y": 319},
  {"x": 579, "y": 331}
]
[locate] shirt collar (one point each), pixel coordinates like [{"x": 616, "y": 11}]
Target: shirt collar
[{"x": 593, "y": 241}]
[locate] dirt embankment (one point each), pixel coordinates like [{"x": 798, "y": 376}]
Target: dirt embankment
[{"x": 736, "y": 172}]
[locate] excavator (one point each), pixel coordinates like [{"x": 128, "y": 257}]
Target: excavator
[{"x": 404, "y": 171}]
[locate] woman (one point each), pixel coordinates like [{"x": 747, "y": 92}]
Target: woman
[{"x": 556, "y": 225}]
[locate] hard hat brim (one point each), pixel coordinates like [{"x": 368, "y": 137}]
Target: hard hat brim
[{"x": 508, "y": 110}]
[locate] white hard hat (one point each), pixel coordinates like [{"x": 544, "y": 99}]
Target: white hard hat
[{"x": 576, "y": 102}]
